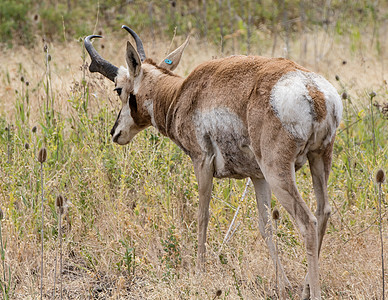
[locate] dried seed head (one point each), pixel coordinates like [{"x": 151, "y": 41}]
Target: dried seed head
[
  {"x": 45, "y": 48},
  {"x": 33, "y": 129},
  {"x": 337, "y": 77},
  {"x": 372, "y": 94},
  {"x": 22, "y": 79},
  {"x": 27, "y": 146},
  {"x": 344, "y": 95},
  {"x": 380, "y": 176},
  {"x": 42, "y": 155},
  {"x": 49, "y": 57},
  {"x": 59, "y": 203},
  {"x": 27, "y": 83},
  {"x": 384, "y": 110},
  {"x": 218, "y": 293},
  {"x": 1, "y": 214},
  {"x": 275, "y": 214}
]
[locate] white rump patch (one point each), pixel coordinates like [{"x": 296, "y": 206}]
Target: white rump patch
[{"x": 293, "y": 105}]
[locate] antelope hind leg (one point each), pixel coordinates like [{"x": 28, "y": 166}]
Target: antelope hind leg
[
  {"x": 204, "y": 171},
  {"x": 263, "y": 200}
]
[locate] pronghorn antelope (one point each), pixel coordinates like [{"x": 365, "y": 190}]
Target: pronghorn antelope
[{"x": 240, "y": 116}]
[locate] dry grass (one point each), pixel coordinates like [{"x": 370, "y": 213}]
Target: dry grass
[{"x": 143, "y": 197}]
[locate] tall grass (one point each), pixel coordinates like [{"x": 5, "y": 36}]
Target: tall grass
[
  {"x": 5, "y": 283},
  {"x": 131, "y": 228}
]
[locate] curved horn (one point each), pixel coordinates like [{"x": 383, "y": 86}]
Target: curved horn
[
  {"x": 99, "y": 64},
  {"x": 139, "y": 44}
]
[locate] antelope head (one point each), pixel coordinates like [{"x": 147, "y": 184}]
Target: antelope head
[{"x": 133, "y": 84}]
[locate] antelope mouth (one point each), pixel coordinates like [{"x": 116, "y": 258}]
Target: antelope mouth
[{"x": 116, "y": 138}]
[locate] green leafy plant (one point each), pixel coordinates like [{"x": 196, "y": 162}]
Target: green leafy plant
[
  {"x": 172, "y": 256},
  {"x": 128, "y": 261}
]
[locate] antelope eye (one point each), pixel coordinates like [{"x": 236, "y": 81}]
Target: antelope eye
[{"x": 118, "y": 90}]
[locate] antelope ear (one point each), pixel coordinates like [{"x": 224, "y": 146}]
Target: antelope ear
[
  {"x": 133, "y": 60},
  {"x": 173, "y": 59}
]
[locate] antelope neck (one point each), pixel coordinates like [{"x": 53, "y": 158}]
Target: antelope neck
[{"x": 165, "y": 100}]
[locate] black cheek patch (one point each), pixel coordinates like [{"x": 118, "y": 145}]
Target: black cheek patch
[
  {"x": 112, "y": 132},
  {"x": 132, "y": 102}
]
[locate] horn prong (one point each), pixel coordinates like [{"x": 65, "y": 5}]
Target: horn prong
[
  {"x": 98, "y": 63},
  {"x": 139, "y": 43}
]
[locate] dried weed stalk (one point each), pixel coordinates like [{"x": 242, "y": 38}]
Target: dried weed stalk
[
  {"x": 276, "y": 216},
  {"x": 380, "y": 178},
  {"x": 42, "y": 156}
]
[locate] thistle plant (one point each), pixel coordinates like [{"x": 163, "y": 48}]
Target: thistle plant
[
  {"x": 42, "y": 156},
  {"x": 48, "y": 80},
  {"x": 218, "y": 294},
  {"x": 276, "y": 216},
  {"x": 60, "y": 206},
  {"x": 380, "y": 178},
  {"x": 346, "y": 99},
  {"x": 8, "y": 129},
  {"x": 371, "y": 96}
]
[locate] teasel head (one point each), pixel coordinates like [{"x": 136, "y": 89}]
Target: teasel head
[
  {"x": 27, "y": 146},
  {"x": 34, "y": 129},
  {"x": 59, "y": 202},
  {"x": 275, "y": 214},
  {"x": 218, "y": 294},
  {"x": 380, "y": 176},
  {"x": 1, "y": 214},
  {"x": 42, "y": 155}
]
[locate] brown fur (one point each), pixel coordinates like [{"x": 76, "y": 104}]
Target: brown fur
[
  {"x": 247, "y": 77},
  {"x": 318, "y": 102}
]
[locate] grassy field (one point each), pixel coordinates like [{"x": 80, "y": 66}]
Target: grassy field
[{"x": 129, "y": 223}]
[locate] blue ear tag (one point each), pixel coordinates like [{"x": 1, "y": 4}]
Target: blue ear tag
[{"x": 168, "y": 61}]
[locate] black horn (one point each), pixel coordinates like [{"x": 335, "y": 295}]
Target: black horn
[
  {"x": 139, "y": 44},
  {"x": 99, "y": 64}
]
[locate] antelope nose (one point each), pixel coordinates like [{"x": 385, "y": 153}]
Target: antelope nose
[{"x": 116, "y": 137}]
